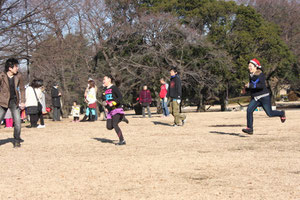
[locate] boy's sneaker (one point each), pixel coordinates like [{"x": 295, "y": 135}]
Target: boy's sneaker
[
  {"x": 121, "y": 143},
  {"x": 41, "y": 126},
  {"x": 174, "y": 125},
  {"x": 283, "y": 118},
  {"x": 248, "y": 131},
  {"x": 17, "y": 144}
]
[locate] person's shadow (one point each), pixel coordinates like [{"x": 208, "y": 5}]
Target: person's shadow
[
  {"x": 224, "y": 133},
  {"x": 226, "y": 125},
  {"x": 161, "y": 123},
  {"x": 5, "y": 141},
  {"x": 104, "y": 140}
]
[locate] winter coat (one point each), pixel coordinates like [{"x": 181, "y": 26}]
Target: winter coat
[
  {"x": 163, "y": 91},
  {"x": 257, "y": 84},
  {"x": 42, "y": 100},
  {"x": 31, "y": 99},
  {"x": 75, "y": 111},
  {"x": 5, "y": 92},
  {"x": 55, "y": 97},
  {"x": 91, "y": 95},
  {"x": 145, "y": 96},
  {"x": 175, "y": 89}
]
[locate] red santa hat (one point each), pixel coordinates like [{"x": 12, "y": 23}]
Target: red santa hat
[{"x": 255, "y": 62}]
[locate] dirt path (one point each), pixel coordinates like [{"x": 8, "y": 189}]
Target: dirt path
[{"x": 208, "y": 158}]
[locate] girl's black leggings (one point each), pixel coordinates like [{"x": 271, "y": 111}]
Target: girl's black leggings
[{"x": 114, "y": 124}]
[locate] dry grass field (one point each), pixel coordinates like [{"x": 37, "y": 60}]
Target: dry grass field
[{"x": 208, "y": 158}]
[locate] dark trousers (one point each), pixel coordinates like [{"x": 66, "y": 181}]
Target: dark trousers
[
  {"x": 148, "y": 109},
  {"x": 56, "y": 114},
  {"x": 16, "y": 116},
  {"x": 114, "y": 124},
  {"x": 34, "y": 119},
  {"x": 265, "y": 102},
  {"x": 41, "y": 117}
]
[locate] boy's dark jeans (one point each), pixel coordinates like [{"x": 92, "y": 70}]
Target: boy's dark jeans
[
  {"x": 265, "y": 102},
  {"x": 16, "y": 116}
]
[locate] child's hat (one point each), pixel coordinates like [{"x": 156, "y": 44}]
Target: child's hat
[{"x": 255, "y": 62}]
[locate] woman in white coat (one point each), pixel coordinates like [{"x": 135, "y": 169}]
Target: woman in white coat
[
  {"x": 90, "y": 97},
  {"x": 32, "y": 95}
]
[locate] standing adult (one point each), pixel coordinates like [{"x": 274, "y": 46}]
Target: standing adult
[
  {"x": 163, "y": 97},
  {"x": 43, "y": 96},
  {"x": 175, "y": 94},
  {"x": 90, "y": 97},
  {"x": 33, "y": 105},
  {"x": 260, "y": 95},
  {"x": 11, "y": 83},
  {"x": 56, "y": 95},
  {"x": 145, "y": 100},
  {"x": 42, "y": 100}
]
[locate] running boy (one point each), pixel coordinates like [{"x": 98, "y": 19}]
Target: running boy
[
  {"x": 260, "y": 95},
  {"x": 115, "y": 113}
]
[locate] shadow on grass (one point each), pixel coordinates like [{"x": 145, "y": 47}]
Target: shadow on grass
[
  {"x": 232, "y": 134},
  {"x": 161, "y": 123},
  {"x": 5, "y": 141},
  {"x": 226, "y": 125},
  {"x": 104, "y": 140}
]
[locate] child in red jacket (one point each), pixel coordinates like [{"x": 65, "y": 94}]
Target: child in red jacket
[{"x": 145, "y": 100}]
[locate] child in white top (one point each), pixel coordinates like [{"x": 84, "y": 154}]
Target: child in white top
[{"x": 75, "y": 112}]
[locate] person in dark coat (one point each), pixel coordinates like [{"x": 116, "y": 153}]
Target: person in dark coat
[
  {"x": 260, "y": 95},
  {"x": 175, "y": 95},
  {"x": 12, "y": 96},
  {"x": 55, "y": 95},
  {"x": 145, "y": 100}
]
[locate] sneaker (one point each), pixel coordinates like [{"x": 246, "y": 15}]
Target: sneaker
[
  {"x": 121, "y": 143},
  {"x": 174, "y": 125},
  {"x": 183, "y": 122},
  {"x": 283, "y": 118},
  {"x": 17, "y": 144},
  {"x": 248, "y": 131},
  {"x": 41, "y": 126},
  {"x": 29, "y": 126}
]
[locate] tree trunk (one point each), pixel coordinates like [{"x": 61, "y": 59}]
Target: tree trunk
[
  {"x": 223, "y": 100},
  {"x": 200, "y": 106}
]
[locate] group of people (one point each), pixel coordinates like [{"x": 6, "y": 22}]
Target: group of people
[
  {"x": 169, "y": 94},
  {"x": 14, "y": 97}
]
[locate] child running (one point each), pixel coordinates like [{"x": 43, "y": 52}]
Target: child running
[
  {"x": 115, "y": 113},
  {"x": 260, "y": 95}
]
